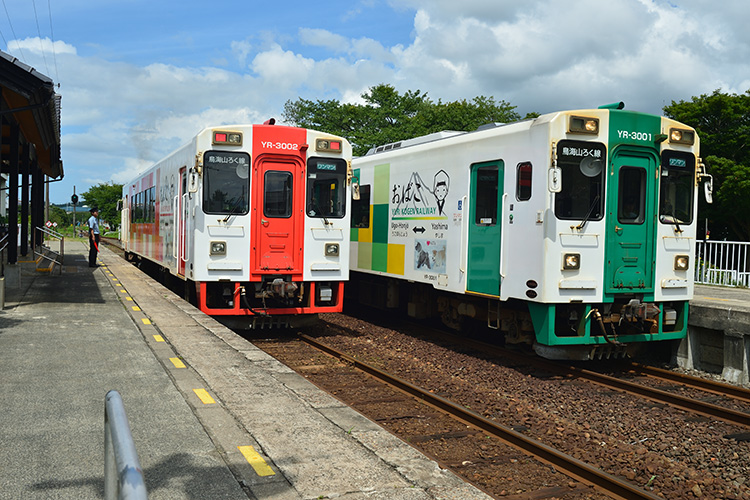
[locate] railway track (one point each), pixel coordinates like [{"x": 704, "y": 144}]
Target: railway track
[
  {"x": 574, "y": 468},
  {"x": 693, "y": 405}
]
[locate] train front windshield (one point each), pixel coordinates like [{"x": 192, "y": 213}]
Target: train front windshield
[
  {"x": 326, "y": 188},
  {"x": 226, "y": 183},
  {"x": 677, "y": 188},
  {"x": 583, "y": 170}
]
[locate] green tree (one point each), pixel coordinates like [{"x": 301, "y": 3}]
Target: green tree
[
  {"x": 723, "y": 125},
  {"x": 59, "y": 215},
  {"x": 105, "y": 198},
  {"x": 388, "y": 116}
]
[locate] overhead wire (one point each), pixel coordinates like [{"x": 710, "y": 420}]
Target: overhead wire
[
  {"x": 23, "y": 56},
  {"x": 52, "y": 36},
  {"x": 39, "y": 32}
]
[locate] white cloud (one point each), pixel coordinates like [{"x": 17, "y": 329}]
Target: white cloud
[
  {"x": 540, "y": 55},
  {"x": 41, "y": 46}
]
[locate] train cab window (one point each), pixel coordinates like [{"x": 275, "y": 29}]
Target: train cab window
[
  {"x": 277, "y": 194},
  {"x": 631, "y": 197},
  {"x": 523, "y": 181},
  {"x": 361, "y": 208},
  {"x": 486, "y": 197},
  {"x": 677, "y": 188},
  {"x": 226, "y": 182},
  {"x": 326, "y": 187},
  {"x": 583, "y": 166}
]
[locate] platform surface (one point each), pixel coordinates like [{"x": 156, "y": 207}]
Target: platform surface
[{"x": 211, "y": 415}]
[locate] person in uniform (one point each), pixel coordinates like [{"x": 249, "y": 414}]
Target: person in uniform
[{"x": 93, "y": 236}]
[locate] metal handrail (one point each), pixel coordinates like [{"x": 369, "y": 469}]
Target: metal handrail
[
  {"x": 3, "y": 246},
  {"x": 123, "y": 477},
  {"x": 725, "y": 263},
  {"x": 56, "y": 235}
]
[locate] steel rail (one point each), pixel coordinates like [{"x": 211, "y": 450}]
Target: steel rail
[
  {"x": 699, "y": 407},
  {"x": 707, "y": 385},
  {"x": 572, "y": 467}
]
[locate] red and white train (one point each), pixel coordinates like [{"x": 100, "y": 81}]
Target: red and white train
[{"x": 253, "y": 219}]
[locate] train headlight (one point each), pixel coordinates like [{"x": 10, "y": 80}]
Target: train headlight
[
  {"x": 218, "y": 248},
  {"x": 332, "y": 249},
  {"x": 681, "y": 136},
  {"x": 571, "y": 261},
  {"x": 583, "y": 125},
  {"x": 681, "y": 262}
]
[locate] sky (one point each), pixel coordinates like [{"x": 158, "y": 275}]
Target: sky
[{"x": 139, "y": 78}]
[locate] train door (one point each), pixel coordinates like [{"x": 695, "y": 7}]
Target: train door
[
  {"x": 277, "y": 205},
  {"x": 182, "y": 223},
  {"x": 485, "y": 227},
  {"x": 631, "y": 208}
]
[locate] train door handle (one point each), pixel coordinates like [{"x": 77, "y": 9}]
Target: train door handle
[
  {"x": 264, "y": 222},
  {"x": 618, "y": 229}
]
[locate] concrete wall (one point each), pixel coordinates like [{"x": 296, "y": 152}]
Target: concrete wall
[{"x": 718, "y": 339}]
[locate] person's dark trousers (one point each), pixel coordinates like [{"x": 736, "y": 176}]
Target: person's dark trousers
[{"x": 93, "y": 252}]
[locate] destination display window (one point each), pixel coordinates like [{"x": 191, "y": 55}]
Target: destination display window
[
  {"x": 326, "y": 188},
  {"x": 677, "y": 188},
  {"x": 226, "y": 182},
  {"x": 583, "y": 166}
]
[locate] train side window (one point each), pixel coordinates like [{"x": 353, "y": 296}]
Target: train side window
[
  {"x": 677, "y": 188},
  {"x": 326, "y": 187},
  {"x": 487, "y": 192},
  {"x": 583, "y": 173},
  {"x": 277, "y": 194},
  {"x": 631, "y": 196},
  {"x": 361, "y": 208},
  {"x": 523, "y": 181}
]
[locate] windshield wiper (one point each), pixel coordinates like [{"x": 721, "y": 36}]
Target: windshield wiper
[
  {"x": 591, "y": 210},
  {"x": 236, "y": 205}
]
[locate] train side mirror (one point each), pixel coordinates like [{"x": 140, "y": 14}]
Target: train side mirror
[
  {"x": 708, "y": 181},
  {"x": 355, "y": 191},
  {"x": 708, "y": 188},
  {"x": 193, "y": 181},
  {"x": 554, "y": 180}
]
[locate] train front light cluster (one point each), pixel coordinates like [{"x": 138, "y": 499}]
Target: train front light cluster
[
  {"x": 681, "y": 136},
  {"x": 583, "y": 125},
  {"x": 681, "y": 262},
  {"x": 328, "y": 145},
  {"x": 571, "y": 261},
  {"x": 227, "y": 138},
  {"x": 218, "y": 248}
]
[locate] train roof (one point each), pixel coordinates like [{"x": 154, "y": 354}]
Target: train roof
[{"x": 436, "y": 136}]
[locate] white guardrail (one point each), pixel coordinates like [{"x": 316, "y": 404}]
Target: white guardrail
[{"x": 725, "y": 263}]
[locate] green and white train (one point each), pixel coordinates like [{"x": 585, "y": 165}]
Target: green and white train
[{"x": 574, "y": 231}]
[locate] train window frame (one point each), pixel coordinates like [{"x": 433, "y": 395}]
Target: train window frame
[
  {"x": 226, "y": 183},
  {"x": 524, "y": 181},
  {"x": 361, "y": 208},
  {"x": 571, "y": 155},
  {"x": 631, "y": 210},
  {"x": 677, "y": 188},
  {"x": 326, "y": 178},
  {"x": 286, "y": 180}
]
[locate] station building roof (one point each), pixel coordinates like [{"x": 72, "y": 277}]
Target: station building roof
[{"x": 29, "y": 99}]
